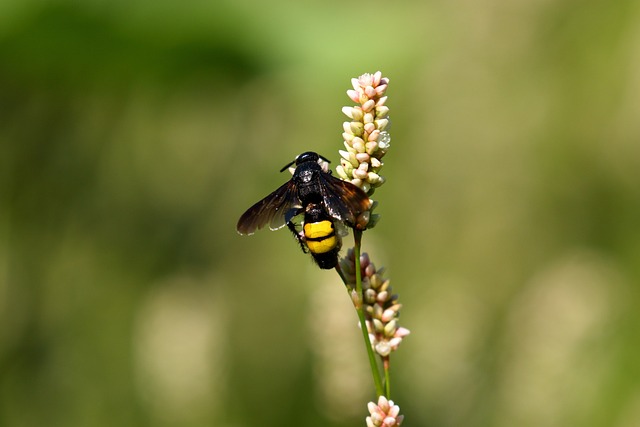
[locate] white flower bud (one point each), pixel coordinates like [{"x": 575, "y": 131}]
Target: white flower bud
[{"x": 348, "y": 111}]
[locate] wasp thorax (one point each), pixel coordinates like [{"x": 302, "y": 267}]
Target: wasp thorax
[{"x": 306, "y": 176}]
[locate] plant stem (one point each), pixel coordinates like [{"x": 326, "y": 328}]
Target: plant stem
[
  {"x": 357, "y": 236},
  {"x": 386, "y": 363}
]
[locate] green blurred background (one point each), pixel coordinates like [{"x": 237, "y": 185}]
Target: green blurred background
[{"x": 133, "y": 134}]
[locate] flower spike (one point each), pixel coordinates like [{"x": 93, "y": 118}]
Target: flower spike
[{"x": 365, "y": 137}]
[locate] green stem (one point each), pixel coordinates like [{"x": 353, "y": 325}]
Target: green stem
[
  {"x": 357, "y": 235},
  {"x": 386, "y": 363}
]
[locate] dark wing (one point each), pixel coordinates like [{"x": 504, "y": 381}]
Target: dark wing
[
  {"x": 343, "y": 200},
  {"x": 270, "y": 210}
]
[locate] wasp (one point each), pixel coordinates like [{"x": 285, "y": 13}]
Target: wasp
[{"x": 324, "y": 201}]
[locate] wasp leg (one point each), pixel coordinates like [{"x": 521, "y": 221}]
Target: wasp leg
[{"x": 299, "y": 235}]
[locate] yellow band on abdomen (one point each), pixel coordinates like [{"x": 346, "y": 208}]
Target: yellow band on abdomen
[
  {"x": 322, "y": 246},
  {"x": 316, "y": 230},
  {"x": 320, "y": 236}
]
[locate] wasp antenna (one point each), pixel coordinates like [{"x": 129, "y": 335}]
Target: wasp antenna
[
  {"x": 324, "y": 158},
  {"x": 287, "y": 165}
]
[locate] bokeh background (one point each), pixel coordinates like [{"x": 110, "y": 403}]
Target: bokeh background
[{"x": 133, "y": 134}]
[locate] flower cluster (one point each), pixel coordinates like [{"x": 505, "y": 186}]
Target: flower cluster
[
  {"x": 381, "y": 306},
  {"x": 384, "y": 414},
  {"x": 365, "y": 138}
]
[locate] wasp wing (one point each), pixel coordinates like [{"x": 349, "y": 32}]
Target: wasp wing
[
  {"x": 270, "y": 210},
  {"x": 343, "y": 200}
]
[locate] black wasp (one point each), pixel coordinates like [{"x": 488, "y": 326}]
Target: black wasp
[{"x": 322, "y": 198}]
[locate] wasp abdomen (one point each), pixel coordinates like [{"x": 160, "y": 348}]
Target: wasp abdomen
[{"x": 320, "y": 237}]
